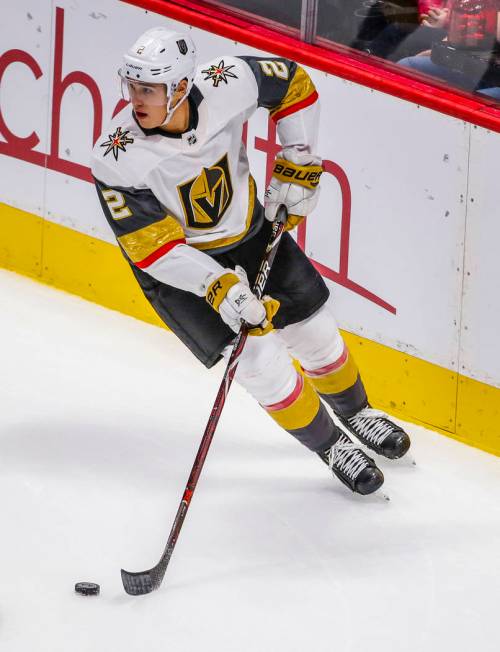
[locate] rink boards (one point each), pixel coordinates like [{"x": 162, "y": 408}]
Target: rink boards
[{"x": 405, "y": 232}]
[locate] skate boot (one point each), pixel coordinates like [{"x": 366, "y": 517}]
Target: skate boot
[
  {"x": 375, "y": 430},
  {"x": 352, "y": 466}
]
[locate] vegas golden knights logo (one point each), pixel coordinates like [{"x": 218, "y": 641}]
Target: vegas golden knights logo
[{"x": 207, "y": 197}]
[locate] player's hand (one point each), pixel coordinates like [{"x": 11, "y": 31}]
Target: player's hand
[
  {"x": 235, "y": 302},
  {"x": 241, "y": 305},
  {"x": 295, "y": 184}
]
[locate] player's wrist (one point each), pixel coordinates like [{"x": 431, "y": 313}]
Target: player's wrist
[{"x": 299, "y": 155}]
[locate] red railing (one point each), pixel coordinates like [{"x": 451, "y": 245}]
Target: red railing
[{"x": 337, "y": 60}]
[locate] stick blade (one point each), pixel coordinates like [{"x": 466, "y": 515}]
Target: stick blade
[{"x": 140, "y": 583}]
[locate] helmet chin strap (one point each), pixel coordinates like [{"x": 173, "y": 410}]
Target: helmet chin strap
[{"x": 170, "y": 112}]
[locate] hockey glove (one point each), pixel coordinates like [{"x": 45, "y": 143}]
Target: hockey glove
[
  {"x": 235, "y": 302},
  {"x": 295, "y": 184}
]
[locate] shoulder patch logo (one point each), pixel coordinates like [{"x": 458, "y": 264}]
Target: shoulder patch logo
[
  {"x": 116, "y": 142},
  {"x": 219, "y": 73}
]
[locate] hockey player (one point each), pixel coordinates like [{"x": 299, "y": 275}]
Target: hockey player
[{"x": 173, "y": 180}]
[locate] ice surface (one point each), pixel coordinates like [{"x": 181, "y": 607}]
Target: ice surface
[{"x": 100, "y": 419}]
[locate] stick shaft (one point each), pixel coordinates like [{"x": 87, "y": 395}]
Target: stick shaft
[
  {"x": 220, "y": 400},
  {"x": 147, "y": 581}
]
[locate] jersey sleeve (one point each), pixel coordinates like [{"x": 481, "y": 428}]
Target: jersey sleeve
[
  {"x": 153, "y": 240},
  {"x": 288, "y": 92}
]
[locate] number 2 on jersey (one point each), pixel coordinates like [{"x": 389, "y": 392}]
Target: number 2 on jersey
[
  {"x": 116, "y": 203},
  {"x": 274, "y": 69}
]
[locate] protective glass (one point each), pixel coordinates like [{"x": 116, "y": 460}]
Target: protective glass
[{"x": 147, "y": 94}]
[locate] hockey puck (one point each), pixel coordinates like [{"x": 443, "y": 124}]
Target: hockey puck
[{"x": 87, "y": 588}]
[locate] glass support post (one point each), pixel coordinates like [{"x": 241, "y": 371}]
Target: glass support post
[{"x": 308, "y": 20}]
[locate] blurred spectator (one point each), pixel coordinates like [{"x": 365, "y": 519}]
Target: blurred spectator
[
  {"x": 368, "y": 21},
  {"x": 479, "y": 82},
  {"x": 400, "y": 40}
]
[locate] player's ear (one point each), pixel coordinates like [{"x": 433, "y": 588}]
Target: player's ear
[
  {"x": 182, "y": 86},
  {"x": 179, "y": 91}
]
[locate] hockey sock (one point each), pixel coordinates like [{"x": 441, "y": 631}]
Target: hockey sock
[
  {"x": 303, "y": 415},
  {"x": 340, "y": 384}
]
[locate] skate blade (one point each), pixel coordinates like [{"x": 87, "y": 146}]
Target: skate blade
[
  {"x": 406, "y": 460},
  {"x": 377, "y": 497}
]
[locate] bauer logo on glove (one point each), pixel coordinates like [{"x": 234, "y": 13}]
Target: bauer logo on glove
[
  {"x": 303, "y": 175},
  {"x": 218, "y": 289}
]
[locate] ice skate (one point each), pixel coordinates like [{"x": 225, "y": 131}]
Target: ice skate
[
  {"x": 352, "y": 466},
  {"x": 375, "y": 430}
]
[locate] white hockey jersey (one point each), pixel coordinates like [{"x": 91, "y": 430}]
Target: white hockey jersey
[{"x": 171, "y": 199}]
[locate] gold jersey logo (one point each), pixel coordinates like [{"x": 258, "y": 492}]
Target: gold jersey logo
[{"x": 206, "y": 198}]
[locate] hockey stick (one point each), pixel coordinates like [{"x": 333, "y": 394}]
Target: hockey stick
[{"x": 150, "y": 580}]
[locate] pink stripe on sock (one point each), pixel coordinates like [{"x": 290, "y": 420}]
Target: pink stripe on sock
[
  {"x": 333, "y": 366},
  {"x": 291, "y": 398}
]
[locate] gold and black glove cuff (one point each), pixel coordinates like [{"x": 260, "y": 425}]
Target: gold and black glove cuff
[
  {"x": 218, "y": 289},
  {"x": 302, "y": 175}
]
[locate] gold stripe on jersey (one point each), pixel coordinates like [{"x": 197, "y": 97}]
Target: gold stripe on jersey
[
  {"x": 224, "y": 242},
  {"x": 142, "y": 243},
  {"x": 300, "y": 88}
]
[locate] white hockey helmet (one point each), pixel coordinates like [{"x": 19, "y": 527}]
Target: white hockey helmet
[{"x": 160, "y": 56}]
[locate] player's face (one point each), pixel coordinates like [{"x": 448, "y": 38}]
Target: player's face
[{"x": 149, "y": 102}]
